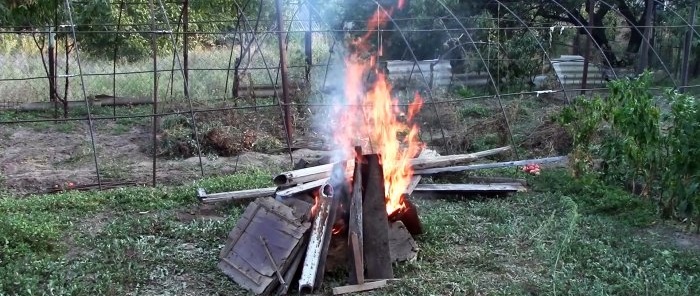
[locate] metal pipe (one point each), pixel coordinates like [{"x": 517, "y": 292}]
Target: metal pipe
[{"x": 313, "y": 262}]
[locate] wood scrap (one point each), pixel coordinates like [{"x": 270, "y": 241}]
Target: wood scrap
[
  {"x": 359, "y": 288},
  {"x": 456, "y": 169},
  {"x": 450, "y": 160},
  {"x": 234, "y": 195},
  {"x": 502, "y": 187},
  {"x": 377, "y": 255},
  {"x": 355, "y": 225}
]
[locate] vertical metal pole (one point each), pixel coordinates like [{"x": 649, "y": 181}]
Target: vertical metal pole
[
  {"x": 288, "y": 120},
  {"x": 687, "y": 47},
  {"x": 185, "y": 45},
  {"x": 644, "y": 51},
  {"x": 114, "y": 62},
  {"x": 308, "y": 41},
  {"x": 52, "y": 70},
  {"x": 587, "y": 50},
  {"x": 154, "y": 53}
]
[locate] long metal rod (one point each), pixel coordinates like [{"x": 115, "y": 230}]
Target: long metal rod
[
  {"x": 587, "y": 53},
  {"x": 154, "y": 55},
  {"x": 82, "y": 87},
  {"x": 185, "y": 46},
  {"x": 288, "y": 119},
  {"x": 317, "y": 241},
  {"x": 114, "y": 60},
  {"x": 188, "y": 98},
  {"x": 687, "y": 47}
]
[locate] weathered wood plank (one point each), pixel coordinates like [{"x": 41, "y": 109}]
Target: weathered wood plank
[
  {"x": 455, "y": 169},
  {"x": 514, "y": 187},
  {"x": 235, "y": 195},
  {"x": 355, "y": 237},
  {"x": 377, "y": 255},
  {"x": 359, "y": 288},
  {"x": 450, "y": 160}
]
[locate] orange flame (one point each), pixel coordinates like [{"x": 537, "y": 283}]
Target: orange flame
[{"x": 372, "y": 118}]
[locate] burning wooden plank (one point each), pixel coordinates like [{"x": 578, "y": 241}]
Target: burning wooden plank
[
  {"x": 377, "y": 255},
  {"x": 455, "y": 169},
  {"x": 503, "y": 187},
  {"x": 249, "y": 265}
]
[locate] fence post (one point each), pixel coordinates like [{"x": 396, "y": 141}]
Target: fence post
[
  {"x": 288, "y": 120},
  {"x": 687, "y": 46}
]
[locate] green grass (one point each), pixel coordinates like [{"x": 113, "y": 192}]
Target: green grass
[{"x": 563, "y": 238}]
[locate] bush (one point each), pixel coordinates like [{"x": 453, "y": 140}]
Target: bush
[{"x": 625, "y": 132}]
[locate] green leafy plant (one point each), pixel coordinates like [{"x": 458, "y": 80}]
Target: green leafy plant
[{"x": 654, "y": 156}]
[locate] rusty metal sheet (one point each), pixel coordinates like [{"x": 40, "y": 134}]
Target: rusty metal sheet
[{"x": 244, "y": 259}]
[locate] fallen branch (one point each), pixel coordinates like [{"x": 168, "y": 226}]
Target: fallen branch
[{"x": 455, "y": 169}]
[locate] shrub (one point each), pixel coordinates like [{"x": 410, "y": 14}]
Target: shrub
[{"x": 625, "y": 132}]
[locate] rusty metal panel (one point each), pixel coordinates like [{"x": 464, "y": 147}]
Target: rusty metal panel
[{"x": 244, "y": 258}]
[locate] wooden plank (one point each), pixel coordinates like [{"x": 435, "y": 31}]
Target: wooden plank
[
  {"x": 514, "y": 187},
  {"x": 359, "y": 288},
  {"x": 235, "y": 195},
  {"x": 496, "y": 180},
  {"x": 450, "y": 160},
  {"x": 412, "y": 186},
  {"x": 377, "y": 255},
  {"x": 456, "y": 169},
  {"x": 357, "y": 266},
  {"x": 355, "y": 237}
]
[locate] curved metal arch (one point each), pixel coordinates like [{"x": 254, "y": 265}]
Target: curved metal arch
[
  {"x": 493, "y": 82},
  {"x": 682, "y": 18},
  {"x": 590, "y": 35},
  {"x": 546, "y": 54},
  {"x": 646, "y": 40}
]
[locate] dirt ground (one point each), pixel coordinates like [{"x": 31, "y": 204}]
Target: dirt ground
[{"x": 37, "y": 159}]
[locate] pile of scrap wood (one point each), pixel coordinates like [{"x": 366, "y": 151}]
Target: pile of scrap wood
[{"x": 333, "y": 216}]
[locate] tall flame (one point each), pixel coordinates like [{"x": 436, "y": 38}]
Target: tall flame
[{"x": 371, "y": 117}]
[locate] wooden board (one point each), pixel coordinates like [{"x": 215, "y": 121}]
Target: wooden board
[
  {"x": 377, "y": 255},
  {"x": 359, "y": 288},
  {"x": 244, "y": 260},
  {"x": 483, "y": 166},
  {"x": 502, "y": 187}
]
